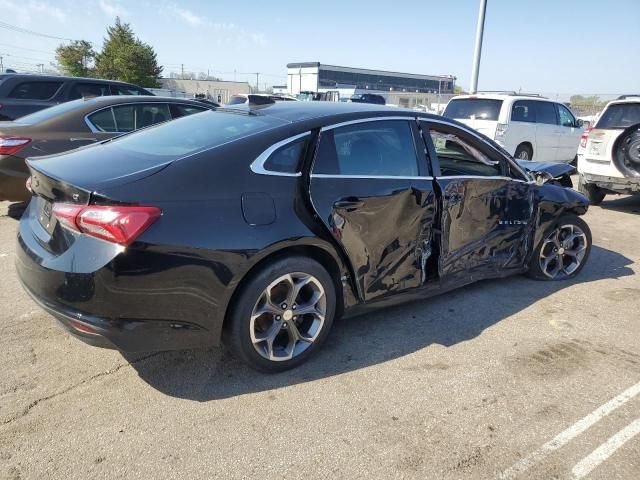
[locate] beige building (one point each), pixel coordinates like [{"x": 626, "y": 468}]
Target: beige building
[{"x": 215, "y": 90}]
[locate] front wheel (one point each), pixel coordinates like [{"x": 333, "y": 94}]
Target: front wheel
[
  {"x": 282, "y": 314},
  {"x": 523, "y": 152},
  {"x": 563, "y": 251},
  {"x": 594, "y": 194}
]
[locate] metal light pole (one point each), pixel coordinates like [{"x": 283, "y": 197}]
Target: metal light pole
[{"x": 478, "y": 51}]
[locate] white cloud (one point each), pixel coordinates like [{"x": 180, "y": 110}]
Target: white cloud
[
  {"x": 189, "y": 17},
  {"x": 113, "y": 9},
  {"x": 24, "y": 13}
]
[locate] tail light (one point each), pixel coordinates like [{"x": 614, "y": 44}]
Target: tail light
[
  {"x": 501, "y": 129},
  {"x": 584, "y": 137},
  {"x": 11, "y": 145},
  {"x": 116, "y": 224}
]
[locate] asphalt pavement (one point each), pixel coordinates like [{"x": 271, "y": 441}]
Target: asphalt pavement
[{"x": 503, "y": 379}]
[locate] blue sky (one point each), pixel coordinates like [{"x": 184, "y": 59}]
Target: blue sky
[{"x": 556, "y": 47}]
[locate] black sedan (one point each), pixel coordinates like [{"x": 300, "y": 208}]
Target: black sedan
[
  {"x": 75, "y": 124},
  {"x": 261, "y": 226}
]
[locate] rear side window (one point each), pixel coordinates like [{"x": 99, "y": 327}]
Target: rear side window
[
  {"x": 35, "y": 90},
  {"x": 287, "y": 159},
  {"x": 474, "y": 108},
  {"x": 103, "y": 120},
  {"x": 83, "y": 90},
  {"x": 127, "y": 118},
  {"x": 620, "y": 115},
  {"x": 523, "y": 111},
  {"x": 546, "y": 113},
  {"x": 380, "y": 148}
]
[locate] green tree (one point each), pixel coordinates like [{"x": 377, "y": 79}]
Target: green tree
[
  {"x": 457, "y": 90},
  {"x": 124, "y": 57},
  {"x": 76, "y": 59}
]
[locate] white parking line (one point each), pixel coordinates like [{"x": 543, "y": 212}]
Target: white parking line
[
  {"x": 604, "y": 451},
  {"x": 570, "y": 433}
]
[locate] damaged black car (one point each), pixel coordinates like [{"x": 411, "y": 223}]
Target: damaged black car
[{"x": 259, "y": 226}]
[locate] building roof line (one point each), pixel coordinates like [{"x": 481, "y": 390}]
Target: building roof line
[{"x": 369, "y": 70}]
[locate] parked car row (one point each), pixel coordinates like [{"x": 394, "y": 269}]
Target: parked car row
[
  {"x": 76, "y": 124},
  {"x": 260, "y": 226}
]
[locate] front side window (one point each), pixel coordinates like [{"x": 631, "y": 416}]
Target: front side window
[
  {"x": 83, "y": 90},
  {"x": 287, "y": 159},
  {"x": 35, "y": 90},
  {"x": 546, "y": 113},
  {"x": 458, "y": 157},
  {"x": 378, "y": 148},
  {"x": 523, "y": 111},
  {"x": 566, "y": 117}
]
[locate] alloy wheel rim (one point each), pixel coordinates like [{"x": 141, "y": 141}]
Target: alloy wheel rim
[
  {"x": 563, "y": 251},
  {"x": 288, "y": 316},
  {"x": 523, "y": 155}
]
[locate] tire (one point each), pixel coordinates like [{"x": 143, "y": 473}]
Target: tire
[
  {"x": 267, "y": 341},
  {"x": 553, "y": 247},
  {"x": 594, "y": 194},
  {"x": 523, "y": 152}
]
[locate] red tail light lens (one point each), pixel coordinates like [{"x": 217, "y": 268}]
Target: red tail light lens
[
  {"x": 584, "y": 137},
  {"x": 11, "y": 145},
  {"x": 117, "y": 224}
]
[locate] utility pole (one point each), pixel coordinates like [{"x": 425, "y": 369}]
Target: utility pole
[
  {"x": 234, "y": 74},
  {"x": 478, "y": 51},
  {"x": 207, "y": 74},
  {"x": 182, "y": 71},
  {"x": 439, "y": 91},
  {"x": 41, "y": 65},
  {"x": 1, "y": 65},
  {"x": 257, "y": 82}
]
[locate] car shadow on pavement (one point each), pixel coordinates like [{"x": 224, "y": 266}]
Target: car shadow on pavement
[
  {"x": 370, "y": 339},
  {"x": 628, "y": 204}
]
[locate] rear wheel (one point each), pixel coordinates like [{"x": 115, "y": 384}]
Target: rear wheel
[
  {"x": 563, "y": 251},
  {"x": 282, "y": 315},
  {"x": 524, "y": 152},
  {"x": 594, "y": 194}
]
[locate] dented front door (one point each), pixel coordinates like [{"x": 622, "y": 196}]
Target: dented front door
[{"x": 370, "y": 189}]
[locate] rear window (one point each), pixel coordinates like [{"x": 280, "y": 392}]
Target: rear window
[
  {"x": 620, "y": 115},
  {"x": 192, "y": 134},
  {"x": 473, "y": 108},
  {"x": 35, "y": 90},
  {"x": 236, "y": 101}
]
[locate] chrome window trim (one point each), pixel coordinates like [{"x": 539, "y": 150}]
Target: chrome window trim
[
  {"x": 257, "y": 166},
  {"x": 383, "y": 177},
  {"x": 366, "y": 120},
  {"x": 477, "y": 135}
]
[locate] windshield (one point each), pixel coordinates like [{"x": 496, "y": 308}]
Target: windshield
[
  {"x": 192, "y": 134},
  {"x": 620, "y": 115},
  {"x": 473, "y": 108},
  {"x": 51, "y": 112}
]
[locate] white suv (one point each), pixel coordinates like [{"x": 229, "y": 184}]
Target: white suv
[
  {"x": 529, "y": 127},
  {"x": 609, "y": 155}
]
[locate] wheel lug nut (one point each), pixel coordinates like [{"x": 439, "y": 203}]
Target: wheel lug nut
[
  {"x": 284, "y": 305},
  {"x": 277, "y": 317},
  {"x": 294, "y": 306}
]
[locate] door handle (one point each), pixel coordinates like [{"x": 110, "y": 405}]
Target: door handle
[{"x": 348, "y": 204}]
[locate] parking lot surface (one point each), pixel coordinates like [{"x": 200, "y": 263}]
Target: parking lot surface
[{"x": 503, "y": 379}]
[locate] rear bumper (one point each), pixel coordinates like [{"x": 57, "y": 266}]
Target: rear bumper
[
  {"x": 615, "y": 184},
  {"x": 114, "y": 305}
]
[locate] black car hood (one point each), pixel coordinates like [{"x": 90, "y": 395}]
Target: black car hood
[{"x": 554, "y": 169}]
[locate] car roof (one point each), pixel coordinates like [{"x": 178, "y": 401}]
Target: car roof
[
  {"x": 32, "y": 76},
  {"x": 294, "y": 112},
  {"x": 502, "y": 96},
  {"x": 627, "y": 99}
]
